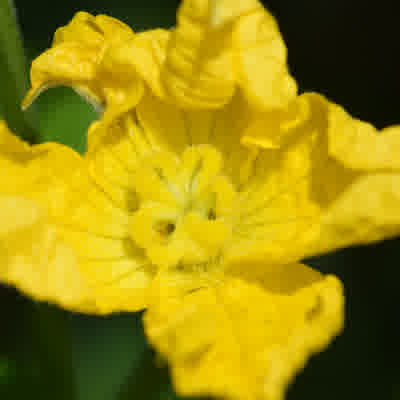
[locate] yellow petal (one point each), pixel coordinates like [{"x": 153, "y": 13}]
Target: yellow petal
[
  {"x": 270, "y": 130},
  {"x": 362, "y": 204},
  {"x": 358, "y": 144},
  {"x": 241, "y": 341},
  {"x": 97, "y": 227},
  {"x": 120, "y": 285},
  {"x": 327, "y": 182},
  {"x": 68, "y": 64},
  {"x": 65, "y": 239},
  {"x": 34, "y": 259},
  {"x": 216, "y": 46},
  {"x": 90, "y": 55},
  {"x": 117, "y": 271},
  {"x": 223, "y": 12},
  {"x": 92, "y": 30},
  {"x": 198, "y": 71},
  {"x": 32, "y": 256},
  {"x": 277, "y": 204},
  {"x": 148, "y": 52},
  {"x": 163, "y": 124},
  {"x": 260, "y": 61},
  {"x": 228, "y": 126},
  {"x": 12, "y": 146},
  {"x": 277, "y": 278},
  {"x": 367, "y": 211},
  {"x": 33, "y": 169},
  {"x": 14, "y": 154}
]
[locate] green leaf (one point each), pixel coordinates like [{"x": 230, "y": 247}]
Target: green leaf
[
  {"x": 112, "y": 360},
  {"x": 105, "y": 350},
  {"x": 13, "y": 73},
  {"x": 50, "y": 332},
  {"x": 150, "y": 379},
  {"x": 4, "y": 370},
  {"x": 36, "y": 346}
]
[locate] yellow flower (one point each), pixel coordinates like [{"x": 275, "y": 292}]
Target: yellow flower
[{"x": 205, "y": 183}]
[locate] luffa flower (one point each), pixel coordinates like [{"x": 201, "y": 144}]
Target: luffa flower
[{"x": 206, "y": 181}]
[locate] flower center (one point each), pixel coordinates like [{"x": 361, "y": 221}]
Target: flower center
[{"x": 185, "y": 213}]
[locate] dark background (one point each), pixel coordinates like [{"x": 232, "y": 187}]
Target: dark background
[{"x": 347, "y": 50}]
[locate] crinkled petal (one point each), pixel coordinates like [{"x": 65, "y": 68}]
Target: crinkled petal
[
  {"x": 68, "y": 64},
  {"x": 239, "y": 340},
  {"x": 277, "y": 202},
  {"x": 66, "y": 239},
  {"x": 261, "y": 61},
  {"x": 366, "y": 208},
  {"x": 271, "y": 130},
  {"x": 164, "y": 125},
  {"x": 198, "y": 70},
  {"x": 216, "y": 47},
  {"x": 331, "y": 182},
  {"x": 358, "y": 144},
  {"x": 90, "y": 55},
  {"x": 276, "y": 278},
  {"x": 35, "y": 261},
  {"x": 35, "y": 171},
  {"x": 367, "y": 211},
  {"x": 98, "y": 227},
  {"x": 32, "y": 257},
  {"x": 92, "y": 30},
  {"x": 148, "y": 52}
]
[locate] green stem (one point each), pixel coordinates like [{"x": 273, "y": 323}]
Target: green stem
[{"x": 13, "y": 71}]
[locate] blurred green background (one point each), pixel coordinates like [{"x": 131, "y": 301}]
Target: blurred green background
[{"x": 345, "y": 50}]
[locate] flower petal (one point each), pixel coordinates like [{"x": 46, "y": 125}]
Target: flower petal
[
  {"x": 241, "y": 341},
  {"x": 148, "y": 52},
  {"x": 276, "y": 278},
  {"x": 198, "y": 70},
  {"x": 90, "y": 55},
  {"x": 331, "y": 182},
  {"x": 12, "y": 147},
  {"x": 366, "y": 207},
  {"x": 277, "y": 203},
  {"x": 35, "y": 261},
  {"x": 97, "y": 232},
  {"x": 32, "y": 257},
  {"x": 98, "y": 227},
  {"x": 66, "y": 239},
  {"x": 271, "y": 130},
  {"x": 358, "y": 144},
  {"x": 163, "y": 124},
  {"x": 260, "y": 61},
  {"x": 367, "y": 211}
]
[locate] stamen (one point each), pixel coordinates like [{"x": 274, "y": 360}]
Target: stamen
[
  {"x": 211, "y": 214},
  {"x": 165, "y": 228}
]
